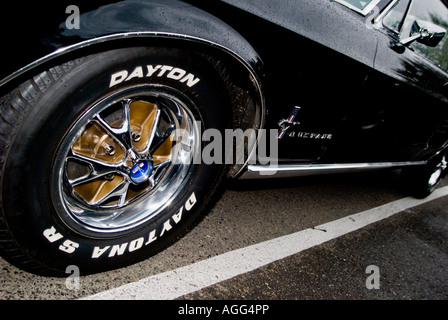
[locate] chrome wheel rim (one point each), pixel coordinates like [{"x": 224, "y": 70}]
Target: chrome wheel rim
[{"x": 125, "y": 159}]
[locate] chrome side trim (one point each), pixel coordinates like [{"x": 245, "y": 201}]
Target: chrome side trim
[{"x": 293, "y": 170}]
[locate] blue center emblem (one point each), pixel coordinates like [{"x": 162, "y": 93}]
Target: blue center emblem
[{"x": 141, "y": 171}]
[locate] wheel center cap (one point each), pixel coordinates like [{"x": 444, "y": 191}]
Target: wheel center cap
[{"x": 141, "y": 171}]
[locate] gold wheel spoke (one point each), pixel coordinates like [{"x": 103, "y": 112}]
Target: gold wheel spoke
[
  {"x": 98, "y": 168},
  {"x": 99, "y": 191},
  {"x": 163, "y": 151},
  {"x": 144, "y": 120},
  {"x": 164, "y": 141},
  {"x": 122, "y": 134}
]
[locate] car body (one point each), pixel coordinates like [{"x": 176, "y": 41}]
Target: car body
[{"x": 346, "y": 84}]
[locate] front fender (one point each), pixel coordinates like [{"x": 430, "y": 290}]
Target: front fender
[
  {"x": 142, "y": 21},
  {"x": 147, "y": 23}
]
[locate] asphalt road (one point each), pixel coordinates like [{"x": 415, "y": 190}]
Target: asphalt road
[{"x": 408, "y": 250}]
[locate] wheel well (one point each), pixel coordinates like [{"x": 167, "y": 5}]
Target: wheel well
[{"x": 246, "y": 103}]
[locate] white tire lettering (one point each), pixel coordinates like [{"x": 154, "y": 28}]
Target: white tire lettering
[
  {"x": 69, "y": 246},
  {"x": 176, "y": 74},
  {"x": 118, "y": 249},
  {"x": 152, "y": 237},
  {"x": 137, "y": 73},
  {"x": 52, "y": 235},
  {"x": 159, "y": 71},
  {"x": 191, "y": 202},
  {"x": 134, "y": 245},
  {"x": 178, "y": 216},
  {"x": 152, "y": 70},
  {"x": 163, "y": 70},
  {"x": 191, "y": 80},
  {"x": 166, "y": 227},
  {"x": 118, "y": 78},
  {"x": 97, "y": 251}
]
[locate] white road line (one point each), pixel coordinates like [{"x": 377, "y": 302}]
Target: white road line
[{"x": 191, "y": 278}]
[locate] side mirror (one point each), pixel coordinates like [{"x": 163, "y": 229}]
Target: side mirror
[{"x": 426, "y": 33}]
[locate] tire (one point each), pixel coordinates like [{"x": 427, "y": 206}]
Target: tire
[
  {"x": 98, "y": 155},
  {"x": 420, "y": 182}
]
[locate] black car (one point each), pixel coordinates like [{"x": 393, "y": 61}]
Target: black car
[{"x": 121, "y": 119}]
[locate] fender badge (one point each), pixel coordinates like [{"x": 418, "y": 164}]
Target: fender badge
[{"x": 285, "y": 124}]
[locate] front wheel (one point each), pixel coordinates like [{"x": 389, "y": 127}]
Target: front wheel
[{"x": 100, "y": 167}]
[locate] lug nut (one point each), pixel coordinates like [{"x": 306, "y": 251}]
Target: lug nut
[
  {"x": 136, "y": 136},
  {"x": 109, "y": 149},
  {"x": 109, "y": 177}
]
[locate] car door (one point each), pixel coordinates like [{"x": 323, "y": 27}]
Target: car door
[
  {"x": 409, "y": 84},
  {"x": 315, "y": 66}
]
